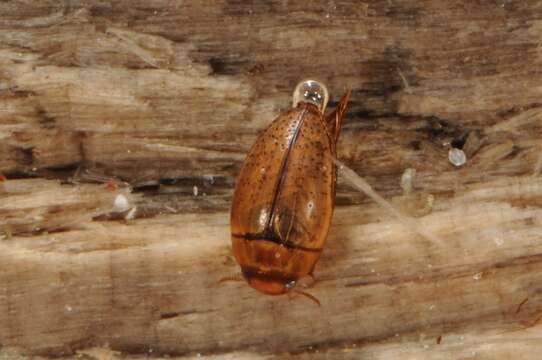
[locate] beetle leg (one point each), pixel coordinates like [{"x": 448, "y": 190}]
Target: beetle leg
[
  {"x": 299, "y": 226},
  {"x": 306, "y": 281},
  {"x": 302, "y": 228},
  {"x": 335, "y": 118},
  {"x": 306, "y": 294},
  {"x": 285, "y": 221},
  {"x": 292, "y": 218}
]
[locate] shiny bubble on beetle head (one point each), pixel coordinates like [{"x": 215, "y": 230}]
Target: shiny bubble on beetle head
[{"x": 312, "y": 92}]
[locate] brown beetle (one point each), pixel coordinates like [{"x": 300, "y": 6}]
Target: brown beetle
[{"x": 284, "y": 196}]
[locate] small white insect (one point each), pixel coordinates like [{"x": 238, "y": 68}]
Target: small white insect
[{"x": 457, "y": 157}]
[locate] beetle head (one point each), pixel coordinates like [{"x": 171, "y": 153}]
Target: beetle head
[{"x": 272, "y": 282}]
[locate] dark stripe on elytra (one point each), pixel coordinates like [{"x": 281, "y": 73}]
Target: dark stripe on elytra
[
  {"x": 274, "y": 239},
  {"x": 282, "y": 170}
]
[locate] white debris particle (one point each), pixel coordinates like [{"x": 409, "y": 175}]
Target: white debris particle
[
  {"x": 477, "y": 276},
  {"x": 131, "y": 214},
  {"x": 407, "y": 179},
  {"x": 170, "y": 209},
  {"x": 406, "y": 85},
  {"x": 121, "y": 203},
  {"x": 195, "y": 190},
  {"x": 538, "y": 166},
  {"x": 457, "y": 157}
]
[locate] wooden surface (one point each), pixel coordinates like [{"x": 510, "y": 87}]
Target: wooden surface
[{"x": 167, "y": 97}]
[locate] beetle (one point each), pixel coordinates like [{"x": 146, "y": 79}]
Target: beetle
[{"x": 284, "y": 195}]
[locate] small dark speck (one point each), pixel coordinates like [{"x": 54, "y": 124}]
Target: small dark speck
[
  {"x": 416, "y": 145},
  {"x": 459, "y": 142},
  {"x": 25, "y": 156},
  {"x": 256, "y": 69},
  {"x": 217, "y": 65},
  {"x": 168, "y": 315}
]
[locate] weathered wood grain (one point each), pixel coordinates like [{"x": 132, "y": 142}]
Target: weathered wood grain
[
  {"x": 153, "y": 283},
  {"x": 169, "y": 95},
  {"x": 521, "y": 344}
]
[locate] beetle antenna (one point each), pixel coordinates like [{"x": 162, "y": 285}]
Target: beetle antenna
[{"x": 306, "y": 294}]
